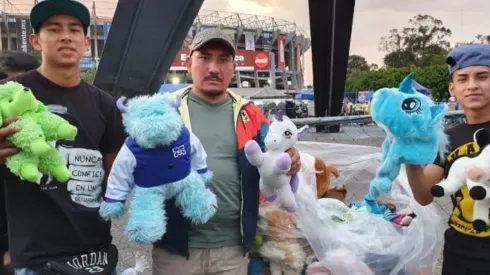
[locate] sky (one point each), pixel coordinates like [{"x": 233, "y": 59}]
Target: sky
[{"x": 372, "y": 19}]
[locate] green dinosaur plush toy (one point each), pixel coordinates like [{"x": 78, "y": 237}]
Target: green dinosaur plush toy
[{"x": 38, "y": 127}]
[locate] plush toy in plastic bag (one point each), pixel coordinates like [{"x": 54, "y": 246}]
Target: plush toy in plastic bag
[
  {"x": 474, "y": 171},
  {"x": 282, "y": 244},
  {"x": 38, "y": 127},
  {"x": 350, "y": 240},
  {"x": 160, "y": 160},
  {"x": 414, "y": 128},
  {"x": 274, "y": 164}
]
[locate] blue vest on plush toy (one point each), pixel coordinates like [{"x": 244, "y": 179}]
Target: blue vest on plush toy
[{"x": 164, "y": 164}]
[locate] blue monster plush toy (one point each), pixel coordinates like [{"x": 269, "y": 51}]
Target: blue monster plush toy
[
  {"x": 414, "y": 128},
  {"x": 160, "y": 160}
]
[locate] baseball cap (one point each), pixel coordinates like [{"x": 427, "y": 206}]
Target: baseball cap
[
  {"x": 212, "y": 35},
  {"x": 467, "y": 56},
  {"x": 47, "y": 8}
]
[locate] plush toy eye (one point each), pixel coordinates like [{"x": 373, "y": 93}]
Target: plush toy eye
[
  {"x": 411, "y": 105},
  {"x": 26, "y": 89},
  {"x": 287, "y": 134}
]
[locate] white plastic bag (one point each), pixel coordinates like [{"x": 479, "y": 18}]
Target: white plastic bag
[{"x": 355, "y": 236}]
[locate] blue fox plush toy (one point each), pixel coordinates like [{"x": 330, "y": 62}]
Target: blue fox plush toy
[
  {"x": 160, "y": 160},
  {"x": 414, "y": 128}
]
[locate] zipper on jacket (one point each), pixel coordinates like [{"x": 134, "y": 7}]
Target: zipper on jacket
[{"x": 237, "y": 116}]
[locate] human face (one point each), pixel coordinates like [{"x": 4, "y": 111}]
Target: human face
[
  {"x": 61, "y": 41},
  {"x": 212, "y": 68},
  {"x": 471, "y": 87}
]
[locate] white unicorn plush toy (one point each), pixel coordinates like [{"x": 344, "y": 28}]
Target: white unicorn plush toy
[
  {"x": 474, "y": 171},
  {"x": 274, "y": 164}
]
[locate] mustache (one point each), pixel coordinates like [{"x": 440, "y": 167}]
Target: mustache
[{"x": 213, "y": 78}]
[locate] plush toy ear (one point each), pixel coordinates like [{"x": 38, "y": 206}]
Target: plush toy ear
[
  {"x": 481, "y": 137},
  {"x": 437, "y": 113},
  {"x": 41, "y": 107},
  {"x": 303, "y": 131}
]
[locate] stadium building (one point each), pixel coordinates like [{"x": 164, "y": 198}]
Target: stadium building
[{"x": 269, "y": 50}]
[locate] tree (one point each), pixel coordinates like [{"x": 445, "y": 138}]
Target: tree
[
  {"x": 483, "y": 39},
  {"x": 434, "y": 77},
  {"x": 37, "y": 55},
  {"x": 400, "y": 59},
  {"x": 480, "y": 38},
  {"x": 373, "y": 67},
  {"x": 357, "y": 63},
  {"x": 416, "y": 45},
  {"x": 88, "y": 75}
]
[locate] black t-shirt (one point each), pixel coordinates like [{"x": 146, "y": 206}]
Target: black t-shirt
[
  {"x": 50, "y": 219},
  {"x": 476, "y": 248},
  {"x": 461, "y": 144}
]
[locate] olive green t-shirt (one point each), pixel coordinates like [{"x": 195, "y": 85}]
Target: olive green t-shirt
[{"x": 214, "y": 125}]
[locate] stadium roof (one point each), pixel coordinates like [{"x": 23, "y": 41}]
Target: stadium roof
[
  {"x": 104, "y": 9},
  {"x": 247, "y": 21}
]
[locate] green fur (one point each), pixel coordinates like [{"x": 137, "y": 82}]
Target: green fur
[
  {"x": 38, "y": 126},
  {"x": 55, "y": 127},
  {"x": 23, "y": 159},
  {"x": 51, "y": 163},
  {"x": 31, "y": 136}
]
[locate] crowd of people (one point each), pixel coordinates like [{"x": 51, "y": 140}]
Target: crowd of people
[{"x": 44, "y": 230}]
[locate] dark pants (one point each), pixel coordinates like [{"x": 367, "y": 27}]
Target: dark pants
[{"x": 465, "y": 255}]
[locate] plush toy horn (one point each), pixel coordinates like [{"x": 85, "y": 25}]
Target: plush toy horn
[
  {"x": 177, "y": 102},
  {"x": 406, "y": 85},
  {"x": 121, "y": 104},
  {"x": 279, "y": 115}
]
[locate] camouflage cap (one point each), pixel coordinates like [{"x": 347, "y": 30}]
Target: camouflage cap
[{"x": 212, "y": 35}]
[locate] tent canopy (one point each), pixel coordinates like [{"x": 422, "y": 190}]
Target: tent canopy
[
  {"x": 306, "y": 94},
  {"x": 421, "y": 89}
]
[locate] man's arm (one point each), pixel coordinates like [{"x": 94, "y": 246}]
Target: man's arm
[{"x": 421, "y": 180}]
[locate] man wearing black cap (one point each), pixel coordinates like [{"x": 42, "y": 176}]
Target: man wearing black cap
[
  {"x": 54, "y": 228},
  {"x": 466, "y": 250}
]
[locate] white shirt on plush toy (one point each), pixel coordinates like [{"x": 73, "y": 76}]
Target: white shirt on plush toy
[
  {"x": 274, "y": 164},
  {"x": 122, "y": 179}
]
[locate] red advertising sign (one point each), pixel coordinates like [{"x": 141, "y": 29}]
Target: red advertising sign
[
  {"x": 281, "y": 63},
  {"x": 243, "y": 58},
  {"x": 262, "y": 61},
  {"x": 181, "y": 57}
]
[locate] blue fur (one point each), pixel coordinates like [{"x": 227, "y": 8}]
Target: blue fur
[
  {"x": 148, "y": 202},
  {"x": 415, "y": 135},
  {"x": 110, "y": 210},
  {"x": 371, "y": 205},
  {"x": 153, "y": 121},
  {"x": 206, "y": 177}
]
